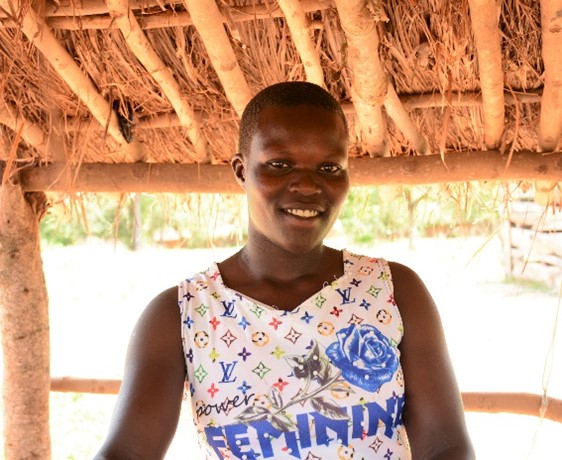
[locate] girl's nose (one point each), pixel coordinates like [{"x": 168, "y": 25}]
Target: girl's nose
[{"x": 305, "y": 183}]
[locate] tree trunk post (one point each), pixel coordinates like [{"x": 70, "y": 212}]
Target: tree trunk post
[{"x": 24, "y": 326}]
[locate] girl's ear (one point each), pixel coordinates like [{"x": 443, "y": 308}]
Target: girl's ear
[{"x": 238, "y": 166}]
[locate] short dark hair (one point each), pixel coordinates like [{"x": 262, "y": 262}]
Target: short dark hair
[{"x": 285, "y": 94}]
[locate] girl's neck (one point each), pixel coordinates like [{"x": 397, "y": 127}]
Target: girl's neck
[{"x": 276, "y": 264}]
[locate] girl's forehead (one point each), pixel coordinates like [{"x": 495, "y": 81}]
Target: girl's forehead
[
  {"x": 300, "y": 118},
  {"x": 302, "y": 110},
  {"x": 298, "y": 130}
]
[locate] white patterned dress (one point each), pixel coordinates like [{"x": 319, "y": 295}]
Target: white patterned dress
[{"x": 322, "y": 381}]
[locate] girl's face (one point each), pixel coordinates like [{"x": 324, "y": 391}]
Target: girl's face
[{"x": 295, "y": 176}]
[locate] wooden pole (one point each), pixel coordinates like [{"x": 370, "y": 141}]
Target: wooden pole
[
  {"x": 550, "y": 123},
  {"x": 484, "y": 15},
  {"x": 550, "y": 126},
  {"x": 399, "y": 114},
  {"x": 368, "y": 80},
  {"x": 30, "y": 132},
  {"x": 408, "y": 101},
  {"x": 82, "y": 385},
  {"x": 180, "y": 178},
  {"x": 145, "y": 53},
  {"x": 370, "y": 87},
  {"x": 300, "y": 32},
  {"x": 514, "y": 403},
  {"x": 92, "y": 14},
  {"x": 24, "y": 326},
  {"x": 209, "y": 22}
]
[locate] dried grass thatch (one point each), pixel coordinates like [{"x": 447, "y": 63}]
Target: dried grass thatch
[{"x": 408, "y": 73}]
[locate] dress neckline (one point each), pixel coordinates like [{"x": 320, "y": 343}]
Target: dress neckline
[{"x": 274, "y": 308}]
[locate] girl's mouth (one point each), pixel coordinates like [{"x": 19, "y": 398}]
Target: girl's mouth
[{"x": 303, "y": 213}]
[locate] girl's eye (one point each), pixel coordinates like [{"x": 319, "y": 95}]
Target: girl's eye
[
  {"x": 278, "y": 164},
  {"x": 331, "y": 168}
]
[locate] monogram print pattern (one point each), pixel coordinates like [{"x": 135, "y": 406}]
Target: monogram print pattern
[{"x": 322, "y": 381}]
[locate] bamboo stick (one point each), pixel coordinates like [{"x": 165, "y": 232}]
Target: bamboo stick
[
  {"x": 484, "y": 15},
  {"x": 146, "y": 54},
  {"x": 209, "y": 22},
  {"x": 63, "y": 63},
  {"x": 407, "y": 170},
  {"x": 550, "y": 126},
  {"x": 300, "y": 31},
  {"x": 369, "y": 83}
]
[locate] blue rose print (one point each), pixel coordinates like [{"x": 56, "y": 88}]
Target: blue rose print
[{"x": 364, "y": 355}]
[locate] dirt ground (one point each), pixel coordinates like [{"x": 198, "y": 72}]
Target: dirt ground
[{"x": 500, "y": 335}]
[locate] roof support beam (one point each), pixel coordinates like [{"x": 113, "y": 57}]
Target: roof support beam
[
  {"x": 32, "y": 134},
  {"x": 399, "y": 114},
  {"x": 485, "y": 16},
  {"x": 63, "y": 63},
  {"x": 369, "y": 85},
  {"x": 409, "y": 101},
  {"x": 370, "y": 88},
  {"x": 145, "y": 53},
  {"x": 209, "y": 22},
  {"x": 83, "y": 8},
  {"x": 300, "y": 32},
  {"x": 95, "y": 16},
  {"x": 25, "y": 343},
  {"x": 56, "y": 8},
  {"x": 550, "y": 126},
  {"x": 407, "y": 170}
]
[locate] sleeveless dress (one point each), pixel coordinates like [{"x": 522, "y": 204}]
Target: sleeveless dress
[{"x": 322, "y": 381}]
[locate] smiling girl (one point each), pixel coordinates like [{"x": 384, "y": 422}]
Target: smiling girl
[{"x": 289, "y": 348}]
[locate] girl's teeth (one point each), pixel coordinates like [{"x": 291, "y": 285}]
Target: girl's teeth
[{"x": 303, "y": 212}]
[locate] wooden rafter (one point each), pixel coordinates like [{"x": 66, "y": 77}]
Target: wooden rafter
[
  {"x": 30, "y": 132},
  {"x": 370, "y": 87},
  {"x": 85, "y": 8},
  {"x": 550, "y": 127},
  {"x": 63, "y": 63},
  {"x": 484, "y": 16},
  {"x": 145, "y": 53},
  {"x": 368, "y": 81},
  {"x": 409, "y": 101},
  {"x": 407, "y": 170},
  {"x": 209, "y": 22},
  {"x": 464, "y": 99},
  {"x": 300, "y": 32},
  {"x": 399, "y": 114},
  {"x": 55, "y": 8}
]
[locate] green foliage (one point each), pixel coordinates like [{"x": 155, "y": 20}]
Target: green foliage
[
  {"x": 370, "y": 214},
  {"x": 171, "y": 220},
  {"x": 58, "y": 232},
  {"x": 393, "y": 212},
  {"x": 529, "y": 284}
]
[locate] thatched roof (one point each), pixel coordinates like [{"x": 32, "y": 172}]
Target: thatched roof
[{"x": 418, "y": 77}]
